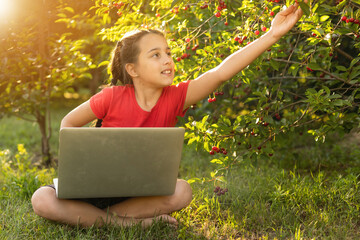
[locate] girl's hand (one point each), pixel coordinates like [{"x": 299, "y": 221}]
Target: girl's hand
[{"x": 285, "y": 20}]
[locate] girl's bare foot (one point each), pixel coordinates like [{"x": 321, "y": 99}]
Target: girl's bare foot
[
  {"x": 146, "y": 222},
  {"x": 165, "y": 218}
]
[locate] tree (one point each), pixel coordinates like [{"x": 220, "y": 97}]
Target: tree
[
  {"x": 306, "y": 83},
  {"x": 38, "y": 64}
]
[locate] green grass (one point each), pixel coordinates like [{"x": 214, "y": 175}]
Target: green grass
[{"x": 306, "y": 191}]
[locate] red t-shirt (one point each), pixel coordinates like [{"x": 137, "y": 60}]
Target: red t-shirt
[{"x": 117, "y": 107}]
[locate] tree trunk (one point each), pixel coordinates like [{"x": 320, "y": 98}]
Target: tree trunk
[
  {"x": 43, "y": 118},
  {"x": 94, "y": 83},
  {"x": 45, "y": 145}
]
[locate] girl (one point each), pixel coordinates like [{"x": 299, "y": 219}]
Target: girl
[{"x": 142, "y": 62}]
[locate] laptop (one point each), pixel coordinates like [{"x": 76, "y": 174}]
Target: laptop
[{"x": 118, "y": 162}]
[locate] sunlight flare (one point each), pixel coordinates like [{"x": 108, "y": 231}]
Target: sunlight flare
[{"x": 6, "y": 9}]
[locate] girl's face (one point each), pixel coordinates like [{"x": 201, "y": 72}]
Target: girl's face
[{"x": 155, "y": 66}]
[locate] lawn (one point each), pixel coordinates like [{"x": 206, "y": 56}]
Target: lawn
[{"x": 308, "y": 190}]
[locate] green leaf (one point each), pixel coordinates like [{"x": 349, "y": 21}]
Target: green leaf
[
  {"x": 62, "y": 20},
  {"x": 314, "y": 66},
  {"x": 103, "y": 63},
  {"x": 305, "y": 8},
  {"x": 217, "y": 161},
  {"x": 293, "y": 69},
  {"x": 206, "y": 146},
  {"x": 354, "y": 75},
  {"x": 61, "y": 15},
  {"x": 354, "y": 61},
  {"x": 335, "y": 96},
  {"x": 203, "y": 121},
  {"x": 341, "y": 68},
  {"x": 324, "y": 18},
  {"x": 69, "y": 9},
  {"x": 193, "y": 139},
  {"x": 338, "y": 102},
  {"x": 327, "y": 90},
  {"x": 192, "y": 180},
  {"x": 275, "y": 65}
]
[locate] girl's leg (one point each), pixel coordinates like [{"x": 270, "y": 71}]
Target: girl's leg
[
  {"x": 145, "y": 207},
  {"x": 47, "y": 205}
]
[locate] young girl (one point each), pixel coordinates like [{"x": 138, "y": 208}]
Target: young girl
[{"x": 142, "y": 62}]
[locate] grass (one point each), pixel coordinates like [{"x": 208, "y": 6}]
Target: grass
[{"x": 307, "y": 191}]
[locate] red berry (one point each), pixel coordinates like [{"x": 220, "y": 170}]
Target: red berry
[
  {"x": 224, "y": 152},
  {"x": 271, "y": 154},
  {"x": 356, "y": 21},
  {"x": 277, "y": 116},
  {"x": 236, "y": 39},
  {"x": 219, "y": 8},
  {"x": 218, "y": 14},
  {"x": 257, "y": 32},
  {"x": 272, "y": 13},
  {"x": 157, "y": 15},
  {"x": 187, "y": 39},
  {"x": 184, "y": 56},
  {"x": 175, "y": 10},
  {"x": 212, "y": 152},
  {"x": 210, "y": 100},
  {"x": 351, "y": 19},
  {"x": 178, "y": 59},
  {"x": 226, "y": 23},
  {"x": 264, "y": 29},
  {"x": 215, "y": 148}
]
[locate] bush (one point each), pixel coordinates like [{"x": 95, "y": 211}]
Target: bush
[{"x": 19, "y": 177}]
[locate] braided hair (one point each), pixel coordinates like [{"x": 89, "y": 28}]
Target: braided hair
[{"x": 127, "y": 50}]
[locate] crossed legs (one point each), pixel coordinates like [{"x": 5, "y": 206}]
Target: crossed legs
[{"x": 127, "y": 213}]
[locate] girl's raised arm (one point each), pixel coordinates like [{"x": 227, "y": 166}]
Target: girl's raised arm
[
  {"x": 79, "y": 116},
  {"x": 207, "y": 83}
]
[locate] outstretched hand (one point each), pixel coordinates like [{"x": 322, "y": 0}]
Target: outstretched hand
[{"x": 285, "y": 20}]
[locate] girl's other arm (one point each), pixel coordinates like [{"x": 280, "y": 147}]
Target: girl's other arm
[
  {"x": 205, "y": 84},
  {"x": 79, "y": 116}
]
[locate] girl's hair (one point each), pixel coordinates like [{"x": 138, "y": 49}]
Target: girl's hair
[{"x": 126, "y": 51}]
